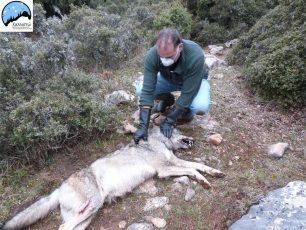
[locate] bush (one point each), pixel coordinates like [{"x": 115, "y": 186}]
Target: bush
[
  {"x": 71, "y": 106},
  {"x": 45, "y": 100},
  {"x": 100, "y": 40},
  {"x": 176, "y": 16},
  {"x": 210, "y": 33},
  {"x": 280, "y": 75},
  {"x": 224, "y": 20},
  {"x": 273, "y": 53}
]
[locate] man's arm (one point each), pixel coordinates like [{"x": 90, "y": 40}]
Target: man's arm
[
  {"x": 150, "y": 78},
  {"x": 192, "y": 83}
]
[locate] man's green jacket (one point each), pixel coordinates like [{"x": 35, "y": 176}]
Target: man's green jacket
[{"x": 188, "y": 73}]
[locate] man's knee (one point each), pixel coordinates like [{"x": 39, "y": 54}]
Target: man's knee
[{"x": 200, "y": 107}]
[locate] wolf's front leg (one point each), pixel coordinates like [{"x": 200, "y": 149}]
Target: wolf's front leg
[
  {"x": 167, "y": 171},
  {"x": 198, "y": 166}
]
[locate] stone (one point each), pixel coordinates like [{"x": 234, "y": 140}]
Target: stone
[
  {"x": 231, "y": 43},
  {"x": 155, "y": 203},
  {"x": 212, "y": 161},
  {"x": 177, "y": 187},
  {"x": 118, "y": 97},
  {"x": 212, "y": 61},
  {"x": 219, "y": 76},
  {"x": 277, "y": 150},
  {"x": 140, "y": 226},
  {"x": 215, "y": 139},
  {"x": 122, "y": 224},
  {"x": 182, "y": 180},
  {"x": 147, "y": 187},
  {"x": 157, "y": 222},
  {"x": 189, "y": 194},
  {"x": 197, "y": 159},
  {"x": 203, "y": 121},
  {"x": 128, "y": 128},
  {"x": 283, "y": 208},
  {"x": 214, "y": 49},
  {"x": 168, "y": 207}
]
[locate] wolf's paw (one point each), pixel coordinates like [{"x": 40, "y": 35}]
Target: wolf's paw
[
  {"x": 205, "y": 184},
  {"x": 217, "y": 173}
]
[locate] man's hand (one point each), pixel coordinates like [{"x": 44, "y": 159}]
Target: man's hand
[
  {"x": 144, "y": 119},
  {"x": 167, "y": 126}
]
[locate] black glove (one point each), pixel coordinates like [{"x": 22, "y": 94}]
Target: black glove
[
  {"x": 144, "y": 119},
  {"x": 167, "y": 126}
]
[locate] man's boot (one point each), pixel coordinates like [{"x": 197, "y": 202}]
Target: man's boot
[
  {"x": 165, "y": 100},
  {"x": 186, "y": 117}
]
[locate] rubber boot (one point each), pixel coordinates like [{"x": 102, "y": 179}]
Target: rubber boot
[{"x": 186, "y": 117}]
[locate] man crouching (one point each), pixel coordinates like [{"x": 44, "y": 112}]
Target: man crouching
[{"x": 172, "y": 64}]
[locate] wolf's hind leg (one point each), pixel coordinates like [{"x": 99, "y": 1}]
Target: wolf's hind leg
[
  {"x": 198, "y": 166},
  {"x": 84, "y": 224},
  {"x": 167, "y": 171},
  {"x": 81, "y": 219}
]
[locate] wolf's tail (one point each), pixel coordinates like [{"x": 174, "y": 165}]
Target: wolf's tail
[{"x": 35, "y": 212}]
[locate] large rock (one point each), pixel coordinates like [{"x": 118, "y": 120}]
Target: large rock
[{"x": 284, "y": 208}]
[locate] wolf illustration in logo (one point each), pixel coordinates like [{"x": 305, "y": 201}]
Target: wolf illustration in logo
[{"x": 14, "y": 10}]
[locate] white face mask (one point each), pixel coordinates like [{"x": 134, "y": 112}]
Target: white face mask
[{"x": 168, "y": 61}]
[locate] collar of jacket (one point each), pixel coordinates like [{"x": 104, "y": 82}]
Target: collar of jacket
[{"x": 181, "y": 65}]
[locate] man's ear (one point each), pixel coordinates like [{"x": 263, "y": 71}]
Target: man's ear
[{"x": 181, "y": 45}]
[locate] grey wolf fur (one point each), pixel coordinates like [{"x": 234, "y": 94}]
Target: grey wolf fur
[{"x": 84, "y": 192}]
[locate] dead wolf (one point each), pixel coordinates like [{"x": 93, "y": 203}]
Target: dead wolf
[{"x": 84, "y": 192}]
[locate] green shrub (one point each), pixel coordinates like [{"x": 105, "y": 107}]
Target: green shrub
[
  {"x": 210, "y": 33},
  {"x": 280, "y": 75},
  {"x": 224, "y": 20},
  {"x": 176, "y": 16},
  {"x": 100, "y": 40},
  {"x": 273, "y": 53},
  {"x": 43, "y": 102},
  {"x": 71, "y": 106}
]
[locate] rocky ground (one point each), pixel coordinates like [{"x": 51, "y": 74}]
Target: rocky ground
[{"x": 246, "y": 126}]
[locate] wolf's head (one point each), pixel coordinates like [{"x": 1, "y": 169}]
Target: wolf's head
[{"x": 177, "y": 140}]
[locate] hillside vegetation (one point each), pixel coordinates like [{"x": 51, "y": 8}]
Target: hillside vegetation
[{"x": 273, "y": 54}]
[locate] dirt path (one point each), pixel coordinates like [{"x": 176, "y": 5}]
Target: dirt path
[{"x": 246, "y": 126}]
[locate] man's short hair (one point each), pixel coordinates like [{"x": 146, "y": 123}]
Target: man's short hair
[{"x": 170, "y": 33}]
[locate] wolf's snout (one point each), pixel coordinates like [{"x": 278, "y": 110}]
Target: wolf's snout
[{"x": 187, "y": 141}]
